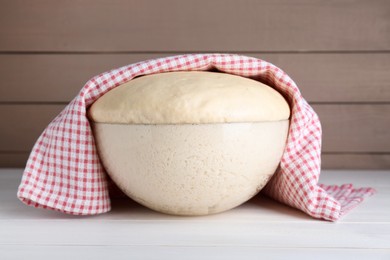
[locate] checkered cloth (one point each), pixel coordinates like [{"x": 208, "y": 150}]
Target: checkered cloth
[{"x": 64, "y": 173}]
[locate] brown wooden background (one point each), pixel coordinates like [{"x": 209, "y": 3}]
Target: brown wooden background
[{"x": 337, "y": 51}]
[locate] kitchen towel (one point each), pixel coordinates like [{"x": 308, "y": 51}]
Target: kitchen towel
[{"x": 64, "y": 172}]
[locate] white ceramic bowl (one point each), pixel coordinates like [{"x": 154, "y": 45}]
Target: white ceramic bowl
[{"x": 191, "y": 169}]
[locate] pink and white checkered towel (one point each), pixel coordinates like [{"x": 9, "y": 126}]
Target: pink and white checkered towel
[{"x": 64, "y": 172}]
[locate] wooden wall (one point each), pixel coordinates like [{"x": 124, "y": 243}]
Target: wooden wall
[{"x": 337, "y": 51}]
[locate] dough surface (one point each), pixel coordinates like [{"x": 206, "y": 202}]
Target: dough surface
[{"x": 190, "y": 97}]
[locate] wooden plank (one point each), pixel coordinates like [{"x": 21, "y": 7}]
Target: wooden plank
[
  {"x": 65, "y": 252},
  {"x": 195, "y": 232},
  {"x": 355, "y": 128},
  {"x": 347, "y": 77},
  {"x": 13, "y": 159},
  {"x": 55, "y": 78},
  {"x": 174, "y": 25},
  {"x": 346, "y": 128},
  {"x": 355, "y": 161},
  {"x": 23, "y": 124},
  {"x": 244, "y": 232}
]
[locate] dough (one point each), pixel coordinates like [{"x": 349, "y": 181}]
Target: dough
[{"x": 190, "y": 97}]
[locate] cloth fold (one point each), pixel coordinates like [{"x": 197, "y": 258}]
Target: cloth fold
[{"x": 64, "y": 172}]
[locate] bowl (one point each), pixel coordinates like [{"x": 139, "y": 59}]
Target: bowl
[{"x": 191, "y": 169}]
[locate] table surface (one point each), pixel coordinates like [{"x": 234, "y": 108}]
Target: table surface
[{"x": 257, "y": 229}]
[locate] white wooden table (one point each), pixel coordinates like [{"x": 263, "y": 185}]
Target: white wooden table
[{"x": 259, "y": 229}]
